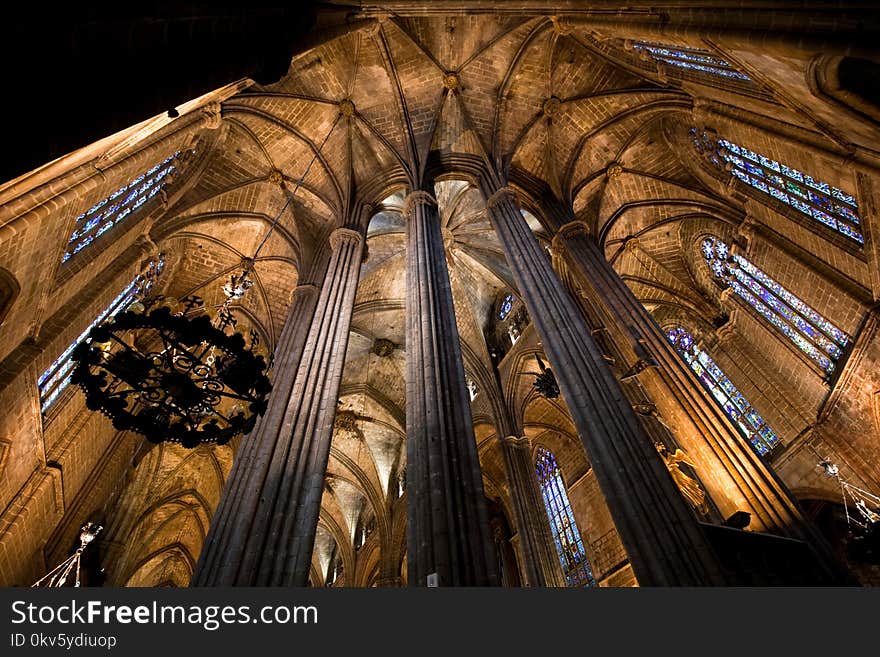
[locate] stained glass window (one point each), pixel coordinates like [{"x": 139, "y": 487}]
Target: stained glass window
[
  {"x": 827, "y": 204},
  {"x": 695, "y": 59},
  {"x": 57, "y": 376},
  {"x": 506, "y": 305},
  {"x": 108, "y": 212},
  {"x": 752, "y": 426},
  {"x": 569, "y": 544},
  {"x": 814, "y": 335}
]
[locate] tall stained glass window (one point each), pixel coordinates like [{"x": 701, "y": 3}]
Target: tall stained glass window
[
  {"x": 57, "y": 376},
  {"x": 569, "y": 544},
  {"x": 108, "y": 212},
  {"x": 695, "y": 59},
  {"x": 752, "y": 426},
  {"x": 814, "y": 198},
  {"x": 814, "y": 335}
]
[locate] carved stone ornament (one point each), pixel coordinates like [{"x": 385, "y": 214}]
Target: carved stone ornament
[
  {"x": 344, "y": 236},
  {"x": 414, "y": 199},
  {"x": 383, "y": 347},
  {"x": 451, "y": 81},
  {"x": 346, "y": 107}
]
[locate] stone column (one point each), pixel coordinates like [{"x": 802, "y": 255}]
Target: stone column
[
  {"x": 447, "y": 521},
  {"x": 662, "y": 537},
  {"x": 541, "y": 560},
  {"x": 264, "y": 531},
  {"x": 734, "y": 475}
]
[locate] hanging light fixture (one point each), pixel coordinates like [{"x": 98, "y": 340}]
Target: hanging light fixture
[
  {"x": 862, "y": 509},
  {"x": 178, "y": 370},
  {"x": 545, "y": 381},
  {"x": 57, "y": 577}
]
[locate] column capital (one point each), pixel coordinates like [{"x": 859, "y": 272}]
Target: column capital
[
  {"x": 344, "y": 236},
  {"x": 517, "y": 441},
  {"x": 571, "y": 229},
  {"x": 416, "y": 198},
  {"x": 500, "y": 195},
  {"x": 306, "y": 289}
]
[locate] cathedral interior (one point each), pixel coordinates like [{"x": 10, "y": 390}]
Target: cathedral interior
[{"x": 549, "y": 294}]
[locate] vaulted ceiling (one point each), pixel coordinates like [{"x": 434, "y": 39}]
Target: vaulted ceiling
[{"x": 352, "y": 125}]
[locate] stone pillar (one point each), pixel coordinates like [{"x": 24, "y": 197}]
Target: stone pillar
[
  {"x": 735, "y": 476},
  {"x": 662, "y": 537},
  {"x": 447, "y": 521},
  {"x": 541, "y": 560},
  {"x": 264, "y": 531}
]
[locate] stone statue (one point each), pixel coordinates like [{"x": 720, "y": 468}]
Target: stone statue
[{"x": 688, "y": 486}]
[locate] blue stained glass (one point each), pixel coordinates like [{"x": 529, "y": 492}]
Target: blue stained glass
[
  {"x": 567, "y": 538},
  {"x": 134, "y": 195},
  {"x": 782, "y": 196},
  {"x": 844, "y": 211},
  {"x": 822, "y": 187},
  {"x": 813, "y": 334},
  {"x": 736, "y": 407},
  {"x": 751, "y": 168},
  {"x": 57, "y": 376},
  {"x": 691, "y": 58},
  {"x": 759, "y": 184},
  {"x": 814, "y": 200},
  {"x": 843, "y": 196},
  {"x": 506, "y": 305},
  {"x": 800, "y": 205},
  {"x": 792, "y": 173},
  {"x": 850, "y": 232},
  {"x": 824, "y": 218}
]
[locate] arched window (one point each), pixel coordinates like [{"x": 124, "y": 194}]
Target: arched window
[
  {"x": 816, "y": 199},
  {"x": 569, "y": 544},
  {"x": 808, "y": 330},
  {"x": 57, "y": 376},
  {"x": 506, "y": 305},
  {"x": 752, "y": 426},
  {"x": 108, "y": 212},
  {"x": 695, "y": 59}
]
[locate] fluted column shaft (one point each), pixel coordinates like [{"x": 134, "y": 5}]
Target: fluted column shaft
[
  {"x": 264, "y": 531},
  {"x": 542, "y": 562},
  {"x": 447, "y": 521},
  {"x": 734, "y": 475},
  {"x": 659, "y": 531}
]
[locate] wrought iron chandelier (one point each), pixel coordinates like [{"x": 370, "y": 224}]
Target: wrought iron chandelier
[
  {"x": 175, "y": 370},
  {"x": 178, "y": 370},
  {"x": 545, "y": 382}
]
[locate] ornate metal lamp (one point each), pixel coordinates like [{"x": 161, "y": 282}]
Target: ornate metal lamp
[
  {"x": 178, "y": 370},
  {"x": 57, "y": 577},
  {"x": 175, "y": 370},
  {"x": 545, "y": 382}
]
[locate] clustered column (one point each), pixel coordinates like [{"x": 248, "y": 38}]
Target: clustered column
[
  {"x": 447, "y": 521},
  {"x": 264, "y": 529},
  {"x": 660, "y": 533},
  {"x": 734, "y": 475}
]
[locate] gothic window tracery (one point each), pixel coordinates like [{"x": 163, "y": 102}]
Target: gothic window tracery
[
  {"x": 569, "y": 544},
  {"x": 818, "y": 200},
  {"x": 809, "y": 331},
  {"x": 695, "y": 59},
  {"x": 743, "y": 415},
  {"x": 112, "y": 210}
]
